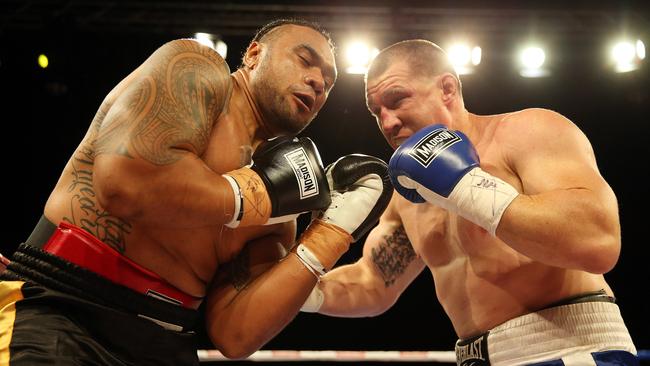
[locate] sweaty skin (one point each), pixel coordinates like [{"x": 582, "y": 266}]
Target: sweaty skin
[
  {"x": 555, "y": 240},
  {"x": 481, "y": 281},
  {"x": 147, "y": 177},
  {"x": 185, "y": 257}
]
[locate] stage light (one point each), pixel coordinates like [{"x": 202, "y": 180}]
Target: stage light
[
  {"x": 43, "y": 61},
  {"x": 532, "y": 60},
  {"x": 640, "y": 49},
  {"x": 221, "y": 47},
  {"x": 213, "y": 41},
  {"x": 533, "y": 57},
  {"x": 463, "y": 58},
  {"x": 359, "y": 55},
  {"x": 476, "y": 55},
  {"x": 626, "y": 55}
]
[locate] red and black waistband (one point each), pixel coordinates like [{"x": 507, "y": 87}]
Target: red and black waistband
[
  {"x": 35, "y": 266},
  {"x": 75, "y": 245}
]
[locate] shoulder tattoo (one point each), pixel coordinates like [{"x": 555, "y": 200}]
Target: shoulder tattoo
[
  {"x": 173, "y": 106},
  {"x": 393, "y": 255}
]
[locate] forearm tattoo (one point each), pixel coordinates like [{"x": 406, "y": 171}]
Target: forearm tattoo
[
  {"x": 393, "y": 255},
  {"x": 84, "y": 210},
  {"x": 239, "y": 270},
  {"x": 173, "y": 107}
]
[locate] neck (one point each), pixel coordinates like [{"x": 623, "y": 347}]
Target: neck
[
  {"x": 252, "y": 118},
  {"x": 467, "y": 123}
]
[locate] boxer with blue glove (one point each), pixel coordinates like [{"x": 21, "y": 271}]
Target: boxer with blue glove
[
  {"x": 441, "y": 166},
  {"x": 534, "y": 294}
]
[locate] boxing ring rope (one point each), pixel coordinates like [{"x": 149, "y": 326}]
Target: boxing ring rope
[
  {"x": 338, "y": 356},
  {"x": 350, "y": 356}
]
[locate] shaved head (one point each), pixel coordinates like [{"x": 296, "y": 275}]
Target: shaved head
[{"x": 424, "y": 58}]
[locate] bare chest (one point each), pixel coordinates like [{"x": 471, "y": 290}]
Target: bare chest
[
  {"x": 443, "y": 239},
  {"x": 230, "y": 146}
]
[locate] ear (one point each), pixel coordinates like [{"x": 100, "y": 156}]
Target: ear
[
  {"x": 450, "y": 87},
  {"x": 252, "y": 55}
]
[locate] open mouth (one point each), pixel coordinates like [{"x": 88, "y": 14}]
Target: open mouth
[{"x": 306, "y": 99}]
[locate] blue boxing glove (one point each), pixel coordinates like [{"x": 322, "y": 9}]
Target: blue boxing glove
[{"x": 441, "y": 166}]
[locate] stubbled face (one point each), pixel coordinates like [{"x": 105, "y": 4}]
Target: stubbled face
[
  {"x": 403, "y": 104},
  {"x": 296, "y": 71}
]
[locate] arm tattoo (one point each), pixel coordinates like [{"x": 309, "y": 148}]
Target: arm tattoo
[
  {"x": 239, "y": 270},
  {"x": 173, "y": 106},
  {"x": 393, "y": 255}
]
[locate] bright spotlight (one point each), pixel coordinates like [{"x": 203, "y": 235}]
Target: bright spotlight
[
  {"x": 359, "y": 56},
  {"x": 459, "y": 55},
  {"x": 464, "y": 58},
  {"x": 624, "y": 55},
  {"x": 213, "y": 42},
  {"x": 532, "y": 59},
  {"x": 476, "y": 55},
  {"x": 43, "y": 61},
  {"x": 640, "y": 49},
  {"x": 221, "y": 47},
  {"x": 204, "y": 39},
  {"x": 627, "y": 55}
]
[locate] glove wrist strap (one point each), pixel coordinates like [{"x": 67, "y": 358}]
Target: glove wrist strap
[
  {"x": 310, "y": 261},
  {"x": 254, "y": 201},
  {"x": 239, "y": 200},
  {"x": 325, "y": 242}
]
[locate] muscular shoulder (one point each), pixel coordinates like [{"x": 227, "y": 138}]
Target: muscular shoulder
[
  {"x": 538, "y": 130},
  {"x": 172, "y": 100},
  {"x": 533, "y": 122},
  {"x": 185, "y": 52},
  {"x": 191, "y": 64}
]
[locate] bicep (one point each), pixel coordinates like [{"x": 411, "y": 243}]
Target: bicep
[{"x": 168, "y": 104}]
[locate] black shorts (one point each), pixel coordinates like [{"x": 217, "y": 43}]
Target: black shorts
[{"x": 53, "y": 312}]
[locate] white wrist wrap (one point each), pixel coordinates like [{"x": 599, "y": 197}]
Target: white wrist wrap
[
  {"x": 236, "y": 215},
  {"x": 309, "y": 260},
  {"x": 482, "y": 198},
  {"x": 479, "y": 197},
  {"x": 314, "y": 301}
]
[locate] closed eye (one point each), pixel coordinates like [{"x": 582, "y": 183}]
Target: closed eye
[
  {"x": 305, "y": 61},
  {"x": 394, "y": 97},
  {"x": 395, "y": 103}
]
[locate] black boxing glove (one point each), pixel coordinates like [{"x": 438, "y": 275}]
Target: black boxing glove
[
  {"x": 286, "y": 179},
  {"x": 361, "y": 189}
]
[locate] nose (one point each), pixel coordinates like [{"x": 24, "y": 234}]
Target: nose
[
  {"x": 316, "y": 82},
  {"x": 389, "y": 122}
]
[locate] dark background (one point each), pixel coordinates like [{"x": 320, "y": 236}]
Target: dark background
[{"x": 93, "y": 45}]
